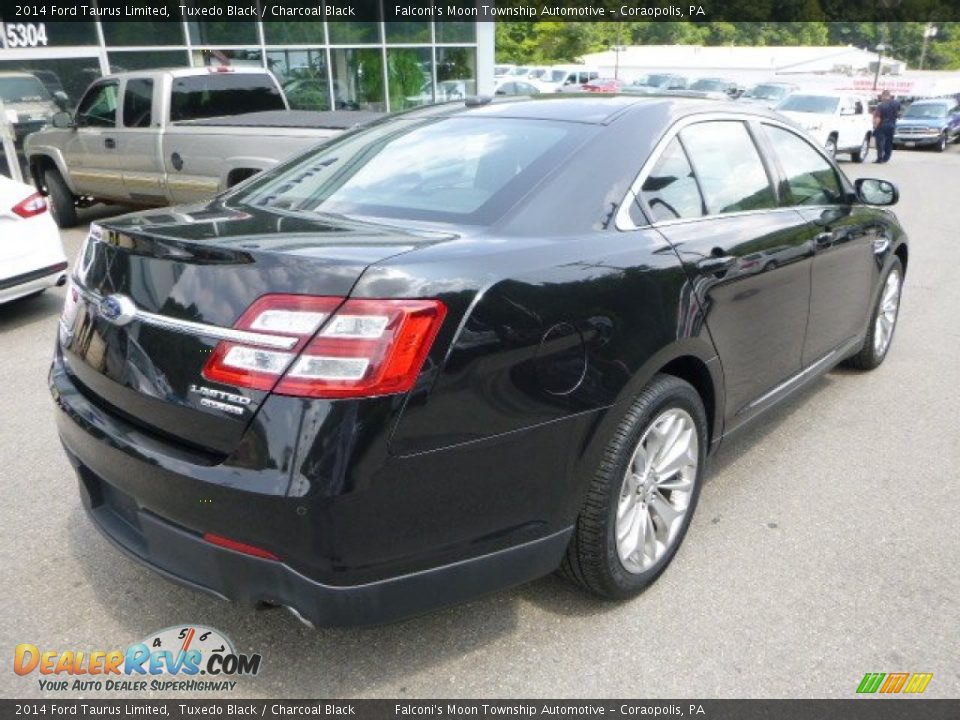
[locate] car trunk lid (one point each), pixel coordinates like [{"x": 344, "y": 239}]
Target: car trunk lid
[{"x": 186, "y": 277}]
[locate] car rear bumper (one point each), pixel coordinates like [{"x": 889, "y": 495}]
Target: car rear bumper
[
  {"x": 143, "y": 504},
  {"x": 28, "y": 283}
]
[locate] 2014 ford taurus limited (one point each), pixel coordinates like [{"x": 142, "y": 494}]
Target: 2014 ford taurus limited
[{"x": 461, "y": 348}]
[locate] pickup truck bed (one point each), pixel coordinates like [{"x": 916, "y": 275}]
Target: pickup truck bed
[{"x": 336, "y": 120}]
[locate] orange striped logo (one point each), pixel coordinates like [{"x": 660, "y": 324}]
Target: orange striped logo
[{"x": 893, "y": 683}]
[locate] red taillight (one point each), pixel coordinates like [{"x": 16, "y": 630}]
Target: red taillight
[
  {"x": 36, "y": 204},
  {"x": 239, "y": 546},
  {"x": 364, "y": 347}
]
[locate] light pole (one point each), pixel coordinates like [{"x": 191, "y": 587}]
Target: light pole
[{"x": 876, "y": 76}]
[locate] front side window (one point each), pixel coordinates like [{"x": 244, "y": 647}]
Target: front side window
[
  {"x": 99, "y": 107},
  {"x": 138, "y": 103},
  {"x": 731, "y": 174},
  {"x": 670, "y": 190},
  {"x": 811, "y": 178},
  {"x": 466, "y": 170}
]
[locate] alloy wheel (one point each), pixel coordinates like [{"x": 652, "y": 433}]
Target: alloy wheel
[
  {"x": 887, "y": 314},
  {"x": 657, "y": 489}
]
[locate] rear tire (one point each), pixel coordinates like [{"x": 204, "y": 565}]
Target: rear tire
[
  {"x": 883, "y": 321},
  {"x": 860, "y": 155},
  {"x": 831, "y": 146},
  {"x": 643, "y": 494},
  {"x": 63, "y": 206}
]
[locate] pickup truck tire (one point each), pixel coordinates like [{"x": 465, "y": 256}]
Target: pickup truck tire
[
  {"x": 831, "y": 146},
  {"x": 941, "y": 143},
  {"x": 861, "y": 154},
  {"x": 62, "y": 204}
]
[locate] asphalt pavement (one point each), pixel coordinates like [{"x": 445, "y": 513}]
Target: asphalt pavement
[{"x": 825, "y": 545}]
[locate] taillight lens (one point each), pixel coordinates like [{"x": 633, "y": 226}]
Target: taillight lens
[
  {"x": 36, "y": 204},
  {"x": 365, "y": 347}
]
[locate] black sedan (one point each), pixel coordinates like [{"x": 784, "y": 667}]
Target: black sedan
[{"x": 461, "y": 348}]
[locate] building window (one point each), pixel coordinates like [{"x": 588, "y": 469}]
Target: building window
[
  {"x": 119, "y": 34},
  {"x": 357, "y": 33},
  {"x": 410, "y": 73},
  {"x": 456, "y": 73},
  {"x": 123, "y": 60},
  {"x": 223, "y": 33},
  {"x": 303, "y": 75},
  {"x": 284, "y": 32},
  {"x": 408, "y": 32},
  {"x": 358, "y": 79},
  {"x": 71, "y": 76},
  {"x": 228, "y": 58},
  {"x": 457, "y": 32}
]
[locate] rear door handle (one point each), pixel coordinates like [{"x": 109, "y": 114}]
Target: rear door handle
[
  {"x": 716, "y": 263},
  {"x": 109, "y": 143}
]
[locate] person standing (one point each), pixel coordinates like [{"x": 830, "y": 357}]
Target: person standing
[{"x": 885, "y": 122}]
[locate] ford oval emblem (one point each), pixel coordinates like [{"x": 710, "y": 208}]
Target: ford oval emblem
[{"x": 117, "y": 309}]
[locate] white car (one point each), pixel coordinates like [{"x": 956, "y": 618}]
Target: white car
[
  {"x": 31, "y": 254},
  {"x": 839, "y": 123}
]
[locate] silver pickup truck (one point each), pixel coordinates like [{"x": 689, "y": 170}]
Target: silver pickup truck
[{"x": 160, "y": 137}]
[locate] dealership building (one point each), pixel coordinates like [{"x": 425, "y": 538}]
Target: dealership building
[{"x": 375, "y": 64}]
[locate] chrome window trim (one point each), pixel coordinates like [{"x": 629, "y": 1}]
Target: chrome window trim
[
  {"x": 623, "y": 220},
  {"x": 189, "y": 327}
]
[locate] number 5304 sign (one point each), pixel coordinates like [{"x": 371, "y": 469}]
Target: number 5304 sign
[{"x": 24, "y": 35}]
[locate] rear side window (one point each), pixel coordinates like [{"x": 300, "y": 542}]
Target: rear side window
[
  {"x": 138, "y": 103},
  {"x": 811, "y": 178},
  {"x": 731, "y": 174},
  {"x": 670, "y": 190},
  {"x": 205, "y": 96}
]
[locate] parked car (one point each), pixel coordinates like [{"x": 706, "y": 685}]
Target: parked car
[
  {"x": 508, "y": 86},
  {"x": 717, "y": 85},
  {"x": 656, "y": 82},
  {"x": 929, "y": 123},
  {"x": 427, "y": 360},
  {"x": 604, "y": 85},
  {"x": 572, "y": 77},
  {"x": 768, "y": 94},
  {"x": 27, "y": 102},
  {"x": 156, "y": 137},
  {"x": 501, "y": 69},
  {"x": 31, "y": 254},
  {"x": 840, "y": 123}
]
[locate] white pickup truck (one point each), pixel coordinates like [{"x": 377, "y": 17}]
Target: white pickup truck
[
  {"x": 840, "y": 123},
  {"x": 160, "y": 137}
]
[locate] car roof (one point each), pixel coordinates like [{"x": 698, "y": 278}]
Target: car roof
[
  {"x": 587, "y": 108},
  {"x": 8, "y": 74},
  {"x": 186, "y": 72}
]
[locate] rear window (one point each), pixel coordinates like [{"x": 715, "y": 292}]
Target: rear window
[
  {"x": 205, "y": 96},
  {"x": 464, "y": 170},
  {"x": 820, "y": 104},
  {"x": 22, "y": 89}
]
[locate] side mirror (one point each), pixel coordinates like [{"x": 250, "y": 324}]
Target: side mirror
[
  {"x": 62, "y": 120},
  {"x": 872, "y": 191},
  {"x": 61, "y": 100}
]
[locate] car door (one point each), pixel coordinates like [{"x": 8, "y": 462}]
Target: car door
[
  {"x": 138, "y": 142},
  {"x": 843, "y": 235},
  {"x": 747, "y": 258},
  {"x": 91, "y": 154}
]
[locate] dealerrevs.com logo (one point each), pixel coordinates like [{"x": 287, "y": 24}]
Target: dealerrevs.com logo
[{"x": 187, "y": 658}]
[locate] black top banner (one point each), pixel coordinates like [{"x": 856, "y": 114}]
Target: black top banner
[
  {"x": 777, "y": 11},
  {"x": 398, "y": 709}
]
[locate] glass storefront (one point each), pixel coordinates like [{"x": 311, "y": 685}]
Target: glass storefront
[{"x": 384, "y": 65}]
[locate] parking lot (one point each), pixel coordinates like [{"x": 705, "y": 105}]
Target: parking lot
[{"x": 825, "y": 544}]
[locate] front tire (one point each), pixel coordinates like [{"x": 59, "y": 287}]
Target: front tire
[
  {"x": 860, "y": 155},
  {"x": 644, "y": 493},
  {"x": 941, "y": 143},
  {"x": 883, "y": 321},
  {"x": 63, "y": 207}
]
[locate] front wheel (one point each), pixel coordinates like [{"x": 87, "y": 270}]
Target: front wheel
[
  {"x": 63, "y": 206},
  {"x": 883, "y": 321},
  {"x": 643, "y": 494},
  {"x": 861, "y": 154},
  {"x": 941, "y": 143}
]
